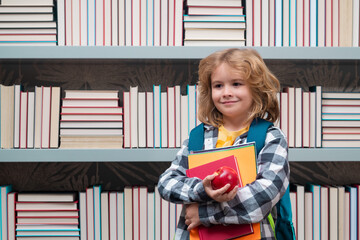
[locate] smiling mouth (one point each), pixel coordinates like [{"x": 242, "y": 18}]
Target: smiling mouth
[{"x": 228, "y": 102}]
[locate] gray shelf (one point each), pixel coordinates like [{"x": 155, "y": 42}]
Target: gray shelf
[
  {"x": 118, "y": 52},
  {"x": 158, "y": 155}
]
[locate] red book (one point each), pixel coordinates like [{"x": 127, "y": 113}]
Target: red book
[{"x": 216, "y": 232}]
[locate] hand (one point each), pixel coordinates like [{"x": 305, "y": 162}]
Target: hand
[
  {"x": 192, "y": 219},
  {"x": 218, "y": 195}
]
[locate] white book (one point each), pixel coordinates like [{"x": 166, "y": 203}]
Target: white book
[
  {"x": 136, "y": 212},
  {"x": 353, "y": 211},
  {"x": 172, "y": 219},
  {"x": 328, "y": 24},
  {"x": 355, "y": 23},
  {"x": 151, "y": 216},
  {"x": 127, "y": 129},
  {"x": 150, "y": 23},
  {"x": 54, "y": 116},
  {"x": 97, "y": 212},
  {"x": 184, "y": 118},
  {"x": 286, "y": 23},
  {"x": 99, "y": 22},
  {"x": 142, "y": 119},
  {"x": 107, "y": 23},
  {"x": 135, "y": 22},
  {"x": 90, "y": 213},
  {"x": 291, "y": 113},
  {"x": 313, "y": 24},
  {"x": 272, "y": 23},
  {"x": 11, "y": 198},
  {"x": 318, "y": 109},
  {"x": 157, "y": 115},
  {"x": 308, "y": 217},
  {"x": 164, "y": 121},
  {"x": 105, "y": 215},
  {"x": 83, "y": 23},
  {"x": 158, "y": 210},
  {"x": 321, "y": 23},
  {"x": 17, "y": 116},
  {"x": 298, "y": 117},
  {"x": 38, "y": 119},
  {"x": 191, "y": 93},
  {"x": 114, "y": 23},
  {"x": 293, "y": 200},
  {"x": 5, "y": 190},
  {"x": 171, "y": 116},
  {"x": 300, "y": 20},
  {"x": 165, "y": 207},
  {"x": 128, "y": 213},
  {"x": 157, "y": 24},
  {"x": 177, "y": 116},
  {"x": 46, "y": 117},
  {"x": 91, "y": 23},
  {"x": 347, "y": 216},
  {"x": 256, "y": 23},
  {"x": 61, "y": 22},
  {"x": 178, "y": 31},
  {"x": 300, "y": 203},
  {"x": 122, "y": 26},
  {"x": 215, "y": 3},
  {"x": 23, "y": 119},
  {"x": 335, "y": 28},
  {"x": 333, "y": 213},
  {"x": 143, "y": 23},
  {"x": 306, "y": 26},
  {"x": 28, "y": 3},
  {"x": 265, "y": 23},
  {"x": 83, "y": 215},
  {"x": 249, "y": 23},
  {"x": 324, "y": 212},
  {"x": 7, "y": 116},
  {"x": 284, "y": 117},
  {"x": 306, "y": 119},
  {"x": 128, "y": 19},
  {"x": 91, "y": 94},
  {"x": 120, "y": 216},
  {"x": 143, "y": 212},
  {"x": 171, "y": 22},
  {"x": 30, "y": 120},
  {"x": 278, "y": 23},
  {"x": 164, "y": 23},
  {"x": 312, "y": 119},
  {"x": 68, "y": 23},
  {"x": 149, "y": 120},
  {"x": 75, "y": 25}
]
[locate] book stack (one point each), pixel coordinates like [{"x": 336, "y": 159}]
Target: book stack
[
  {"x": 30, "y": 119},
  {"x": 214, "y": 23},
  {"x": 341, "y": 119},
  {"x": 44, "y": 215},
  {"x": 24, "y": 22},
  {"x": 91, "y": 119}
]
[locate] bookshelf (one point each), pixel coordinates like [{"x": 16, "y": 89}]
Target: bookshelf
[
  {"x": 158, "y": 155},
  {"x": 164, "y": 52}
]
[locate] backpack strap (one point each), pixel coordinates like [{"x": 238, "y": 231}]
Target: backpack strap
[
  {"x": 196, "y": 138},
  {"x": 257, "y": 132}
]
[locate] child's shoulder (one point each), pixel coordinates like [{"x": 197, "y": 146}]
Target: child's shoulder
[{"x": 275, "y": 133}]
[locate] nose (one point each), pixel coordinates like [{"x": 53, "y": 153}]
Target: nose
[{"x": 227, "y": 91}]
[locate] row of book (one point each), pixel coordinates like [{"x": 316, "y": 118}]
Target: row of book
[
  {"x": 120, "y": 22},
  {"x": 325, "y": 212},
  {"x": 28, "y": 23},
  {"x": 302, "y": 23},
  {"x": 134, "y": 213},
  {"x": 214, "y": 23}
]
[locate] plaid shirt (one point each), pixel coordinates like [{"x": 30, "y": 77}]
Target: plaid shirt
[{"x": 252, "y": 203}]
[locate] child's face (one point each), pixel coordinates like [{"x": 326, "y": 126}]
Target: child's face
[{"x": 230, "y": 94}]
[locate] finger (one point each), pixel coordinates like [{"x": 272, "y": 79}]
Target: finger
[{"x": 191, "y": 226}]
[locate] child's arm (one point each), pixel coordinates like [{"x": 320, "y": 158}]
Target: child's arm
[
  {"x": 254, "y": 201},
  {"x": 176, "y": 187}
]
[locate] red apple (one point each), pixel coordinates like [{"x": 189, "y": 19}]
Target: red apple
[{"x": 225, "y": 175}]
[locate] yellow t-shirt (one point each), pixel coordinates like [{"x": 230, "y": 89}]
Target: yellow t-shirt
[{"x": 226, "y": 138}]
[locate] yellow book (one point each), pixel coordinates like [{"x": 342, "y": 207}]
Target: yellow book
[{"x": 246, "y": 159}]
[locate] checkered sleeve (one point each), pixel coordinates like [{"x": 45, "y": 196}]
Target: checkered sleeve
[
  {"x": 254, "y": 201},
  {"x": 175, "y": 187}
]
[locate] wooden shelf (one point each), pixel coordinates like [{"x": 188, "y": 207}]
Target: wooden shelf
[
  {"x": 118, "y": 52},
  {"x": 158, "y": 155}
]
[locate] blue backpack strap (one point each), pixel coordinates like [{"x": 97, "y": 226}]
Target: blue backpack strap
[
  {"x": 257, "y": 133},
  {"x": 196, "y": 138}
]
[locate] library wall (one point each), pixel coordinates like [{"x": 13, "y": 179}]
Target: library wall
[{"x": 333, "y": 75}]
